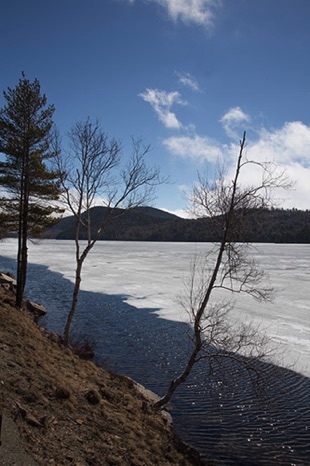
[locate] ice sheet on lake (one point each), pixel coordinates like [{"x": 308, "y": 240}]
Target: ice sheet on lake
[{"x": 152, "y": 275}]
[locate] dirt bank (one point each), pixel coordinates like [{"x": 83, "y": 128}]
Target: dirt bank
[{"x": 71, "y": 412}]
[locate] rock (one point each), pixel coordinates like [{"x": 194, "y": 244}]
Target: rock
[
  {"x": 92, "y": 397},
  {"x": 7, "y": 280},
  {"x": 62, "y": 393},
  {"x": 149, "y": 399},
  {"x": 4, "y": 347},
  {"x": 21, "y": 410},
  {"x": 33, "y": 421},
  {"x": 6, "y": 286},
  {"x": 36, "y": 309},
  {"x": 30, "y": 397}
]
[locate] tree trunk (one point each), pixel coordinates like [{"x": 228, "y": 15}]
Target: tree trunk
[
  {"x": 23, "y": 235},
  {"x": 19, "y": 292},
  {"x": 76, "y": 290},
  {"x": 19, "y": 278},
  {"x": 179, "y": 380}
]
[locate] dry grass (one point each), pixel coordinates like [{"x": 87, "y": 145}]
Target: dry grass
[{"x": 71, "y": 412}]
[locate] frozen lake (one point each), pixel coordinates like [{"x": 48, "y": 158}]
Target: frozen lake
[
  {"x": 152, "y": 275},
  {"x": 129, "y": 304}
]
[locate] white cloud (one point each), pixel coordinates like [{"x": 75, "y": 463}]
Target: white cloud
[
  {"x": 200, "y": 12},
  {"x": 191, "y": 11},
  {"x": 233, "y": 119},
  {"x": 188, "y": 81},
  {"x": 288, "y": 147},
  {"x": 162, "y": 101},
  {"x": 194, "y": 148}
]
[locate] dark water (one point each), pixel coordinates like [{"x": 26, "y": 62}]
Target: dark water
[{"x": 223, "y": 417}]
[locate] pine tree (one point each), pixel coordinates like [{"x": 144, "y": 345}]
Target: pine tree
[{"x": 28, "y": 185}]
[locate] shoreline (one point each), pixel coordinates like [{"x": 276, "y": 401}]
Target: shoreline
[{"x": 61, "y": 403}]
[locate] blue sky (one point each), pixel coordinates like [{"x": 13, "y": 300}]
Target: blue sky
[{"x": 188, "y": 76}]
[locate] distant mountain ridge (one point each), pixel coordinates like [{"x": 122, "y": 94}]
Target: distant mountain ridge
[
  {"x": 151, "y": 224},
  {"x": 156, "y": 213}
]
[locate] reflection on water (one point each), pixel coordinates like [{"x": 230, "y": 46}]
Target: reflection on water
[{"x": 225, "y": 422}]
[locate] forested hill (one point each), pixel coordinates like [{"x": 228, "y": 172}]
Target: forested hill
[{"x": 149, "y": 224}]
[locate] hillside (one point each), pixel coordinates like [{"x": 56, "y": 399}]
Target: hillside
[
  {"x": 71, "y": 412},
  {"x": 149, "y": 224}
]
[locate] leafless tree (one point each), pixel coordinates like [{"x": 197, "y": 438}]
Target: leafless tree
[
  {"x": 229, "y": 267},
  {"x": 92, "y": 170}
]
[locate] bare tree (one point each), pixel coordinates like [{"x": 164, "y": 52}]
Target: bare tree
[
  {"x": 228, "y": 267},
  {"x": 92, "y": 170}
]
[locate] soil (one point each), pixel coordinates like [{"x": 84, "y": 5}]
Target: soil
[{"x": 69, "y": 411}]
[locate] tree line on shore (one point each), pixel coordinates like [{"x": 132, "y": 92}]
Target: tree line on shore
[{"x": 149, "y": 224}]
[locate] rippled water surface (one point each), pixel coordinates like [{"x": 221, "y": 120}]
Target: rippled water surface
[{"x": 221, "y": 416}]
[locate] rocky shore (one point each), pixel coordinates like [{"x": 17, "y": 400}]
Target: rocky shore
[{"x": 69, "y": 411}]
